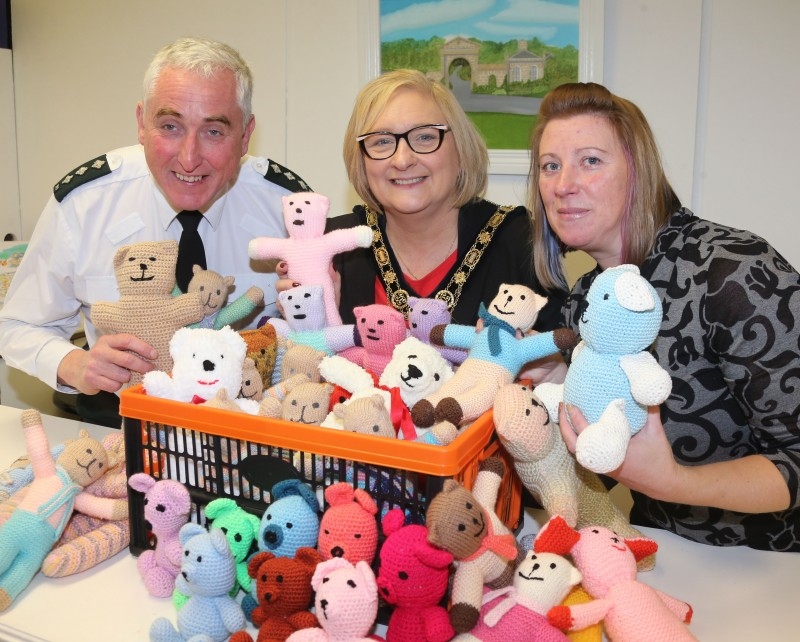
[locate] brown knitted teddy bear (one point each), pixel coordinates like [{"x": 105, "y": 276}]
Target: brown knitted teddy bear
[
  {"x": 146, "y": 308},
  {"x": 262, "y": 348},
  {"x": 283, "y": 590},
  {"x": 484, "y": 551}
]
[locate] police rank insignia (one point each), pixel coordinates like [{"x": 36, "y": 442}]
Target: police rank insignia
[
  {"x": 81, "y": 175},
  {"x": 286, "y": 178}
]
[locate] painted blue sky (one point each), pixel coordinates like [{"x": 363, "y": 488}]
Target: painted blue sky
[{"x": 554, "y": 22}]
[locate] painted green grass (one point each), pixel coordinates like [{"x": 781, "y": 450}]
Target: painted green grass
[{"x": 504, "y": 131}]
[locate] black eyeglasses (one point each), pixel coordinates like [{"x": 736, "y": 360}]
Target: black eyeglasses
[{"x": 423, "y": 139}]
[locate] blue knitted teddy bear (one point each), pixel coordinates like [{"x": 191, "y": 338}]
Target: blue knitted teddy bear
[
  {"x": 496, "y": 355},
  {"x": 208, "y": 573},
  {"x": 290, "y": 522},
  {"x": 612, "y": 378}
]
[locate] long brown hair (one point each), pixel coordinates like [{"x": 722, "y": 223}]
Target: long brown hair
[{"x": 651, "y": 200}]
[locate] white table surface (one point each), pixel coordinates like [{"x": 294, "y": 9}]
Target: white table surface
[{"x": 737, "y": 593}]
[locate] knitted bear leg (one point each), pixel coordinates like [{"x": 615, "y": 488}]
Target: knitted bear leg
[
  {"x": 422, "y": 414},
  {"x": 448, "y": 409},
  {"x": 601, "y": 447}
]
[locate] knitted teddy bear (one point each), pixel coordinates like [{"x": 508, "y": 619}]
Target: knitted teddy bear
[
  {"x": 346, "y": 603},
  {"x": 306, "y": 323},
  {"x": 559, "y": 483},
  {"x": 415, "y": 370},
  {"x": 485, "y": 551},
  {"x": 496, "y": 355},
  {"x": 629, "y": 609},
  {"x": 426, "y": 314},
  {"x": 204, "y": 361},
  {"x": 41, "y": 516},
  {"x": 262, "y": 348},
  {"x": 305, "y": 403},
  {"x": 366, "y": 416},
  {"x": 413, "y": 578},
  {"x": 208, "y": 572},
  {"x": 213, "y": 290},
  {"x": 298, "y": 359},
  {"x": 612, "y": 378},
  {"x": 167, "y": 505},
  {"x": 542, "y": 580},
  {"x": 86, "y": 540},
  {"x": 283, "y": 586},
  {"x": 289, "y": 523},
  {"x": 309, "y": 251},
  {"x": 252, "y": 383},
  {"x": 348, "y": 528},
  {"x": 241, "y": 530},
  {"x": 145, "y": 275},
  {"x": 380, "y": 328}
]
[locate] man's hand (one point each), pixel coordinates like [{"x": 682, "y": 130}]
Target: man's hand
[{"x": 108, "y": 365}]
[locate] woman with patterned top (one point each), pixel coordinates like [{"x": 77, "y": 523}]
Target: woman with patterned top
[{"x": 719, "y": 461}]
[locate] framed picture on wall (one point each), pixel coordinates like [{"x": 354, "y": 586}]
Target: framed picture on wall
[{"x": 499, "y": 57}]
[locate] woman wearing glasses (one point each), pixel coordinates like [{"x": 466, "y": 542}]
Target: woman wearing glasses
[{"x": 420, "y": 167}]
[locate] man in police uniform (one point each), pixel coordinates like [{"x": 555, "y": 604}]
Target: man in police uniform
[{"x": 194, "y": 125}]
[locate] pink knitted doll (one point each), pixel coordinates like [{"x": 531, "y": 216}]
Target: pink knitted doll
[
  {"x": 630, "y": 610},
  {"x": 41, "y": 516},
  {"x": 346, "y": 603},
  {"x": 309, "y": 251},
  {"x": 347, "y": 528},
  {"x": 542, "y": 580},
  {"x": 166, "y": 508},
  {"x": 413, "y": 578}
]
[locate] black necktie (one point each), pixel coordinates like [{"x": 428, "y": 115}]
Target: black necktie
[{"x": 190, "y": 248}]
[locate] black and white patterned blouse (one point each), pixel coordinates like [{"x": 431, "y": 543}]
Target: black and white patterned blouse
[{"x": 731, "y": 341}]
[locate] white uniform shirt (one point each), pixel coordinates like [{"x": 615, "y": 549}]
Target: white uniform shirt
[{"x": 69, "y": 261}]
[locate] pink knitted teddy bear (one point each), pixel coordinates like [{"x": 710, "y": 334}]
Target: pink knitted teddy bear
[
  {"x": 309, "y": 251},
  {"x": 413, "y": 578},
  {"x": 630, "y": 610},
  {"x": 380, "y": 329},
  {"x": 166, "y": 508},
  {"x": 346, "y": 603}
]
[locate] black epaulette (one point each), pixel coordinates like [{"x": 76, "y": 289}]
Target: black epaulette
[
  {"x": 81, "y": 175},
  {"x": 286, "y": 178}
]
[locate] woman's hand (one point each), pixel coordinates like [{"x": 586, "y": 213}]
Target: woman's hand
[{"x": 648, "y": 467}]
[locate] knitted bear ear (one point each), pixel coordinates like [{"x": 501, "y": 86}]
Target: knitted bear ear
[
  {"x": 556, "y": 537},
  {"x": 326, "y": 568},
  {"x": 632, "y": 292},
  {"x": 393, "y": 521},
  {"x": 432, "y": 557},
  {"x": 141, "y": 482},
  {"x": 367, "y": 576},
  {"x": 641, "y": 547}
]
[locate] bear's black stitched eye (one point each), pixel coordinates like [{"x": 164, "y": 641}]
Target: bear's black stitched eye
[
  {"x": 351, "y": 583},
  {"x": 402, "y": 575}
]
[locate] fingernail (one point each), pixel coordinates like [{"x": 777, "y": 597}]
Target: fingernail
[
  {"x": 295, "y": 285},
  {"x": 282, "y": 265}
]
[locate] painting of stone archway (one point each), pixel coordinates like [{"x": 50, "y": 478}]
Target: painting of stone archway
[{"x": 499, "y": 57}]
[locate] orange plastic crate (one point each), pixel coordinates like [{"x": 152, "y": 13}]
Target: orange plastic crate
[{"x": 219, "y": 453}]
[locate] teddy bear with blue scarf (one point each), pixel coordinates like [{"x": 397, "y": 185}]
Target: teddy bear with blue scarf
[
  {"x": 497, "y": 353},
  {"x": 612, "y": 378}
]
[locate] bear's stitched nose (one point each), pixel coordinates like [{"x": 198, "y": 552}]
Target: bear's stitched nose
[
  {"x": 413, "y": 371},
  {"x": 208, "y": 366}
]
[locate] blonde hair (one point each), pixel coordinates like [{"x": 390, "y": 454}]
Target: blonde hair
[
  {"x": 372, "y": 100},
  {"x": 650, "y": 201},
  {"x": 203, "y": 57}
]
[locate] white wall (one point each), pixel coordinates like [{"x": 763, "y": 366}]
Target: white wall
[
  {"x": 716, "y": 78},
  {"x": 10, "y": 220}
]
